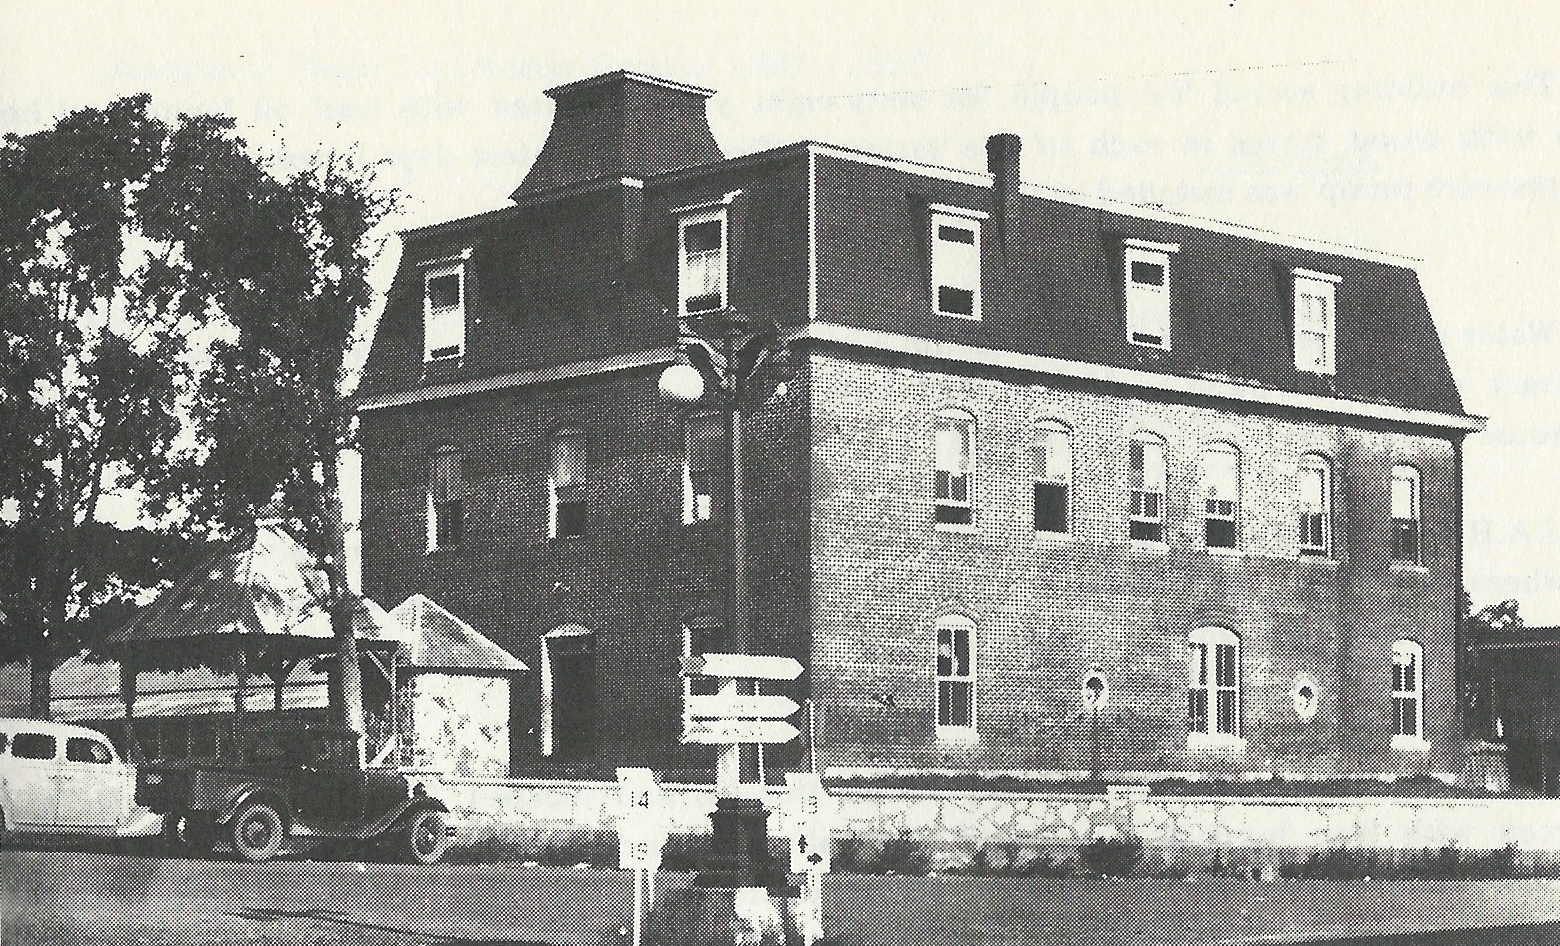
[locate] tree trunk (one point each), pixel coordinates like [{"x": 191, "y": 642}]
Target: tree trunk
[{"x": 41, "y": 687}]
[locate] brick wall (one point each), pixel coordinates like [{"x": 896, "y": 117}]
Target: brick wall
[
  {"x": 1048, "y": 609},
  {"x": 633, "y": 579}
]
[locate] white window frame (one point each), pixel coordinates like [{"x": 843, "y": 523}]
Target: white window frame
[
  {"x": 948, "y": 498},
  {"x": 1147, "y": 306},
  {"x": 1203, "y": 649},
  {"x": 693, "y": 215},
  {"x": 955, "y": 264},
  {"x": 1405, "y": 474},
  {"x": 1322, "y": 324},
  {"x": 1221, "y": 508},
  {"x": 1408, "y": 689},
  {"x": 555, "y": 488},
  {"x": 455, "y": 317},
  {"x": 955, "y": 624},
  {"x": 1141, "y": 485},
  {"x": 1048, "y": 435},
  {"x": 1306, "y": 513}
]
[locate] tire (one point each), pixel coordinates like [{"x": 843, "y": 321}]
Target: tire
[
  {"x": 424, "y": 838},
  {"x": 257, "y": 831}
]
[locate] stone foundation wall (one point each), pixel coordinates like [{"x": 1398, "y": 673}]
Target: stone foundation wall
[{"x": 967, "y": 821}]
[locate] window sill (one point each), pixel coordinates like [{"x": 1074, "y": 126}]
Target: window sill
[
  {"x": 1410, "y": 744},
  {"x": 966, "y": 528},
  {"x": 1326, "y": 561},
  {"x": 1410, "y": 567},
  {"x": 958, "y": 315},
  {"x": 1152, "y": 548},
  {"x": 962, "y": 735},
  {"x": 1051, "y": 538},
  {"x": 443, "y": 358},
  {"x": 1225, "y": 553},
  {"x": 1214, "y": 743}
]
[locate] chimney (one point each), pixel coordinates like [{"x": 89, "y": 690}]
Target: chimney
[
  {"x": 1002, "y": 161},
  {"x": 621, "y": 124}
]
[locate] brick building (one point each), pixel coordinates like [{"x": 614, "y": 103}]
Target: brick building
[{"x": 1032, "y": 446}]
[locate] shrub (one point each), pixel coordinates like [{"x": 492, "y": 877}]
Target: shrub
[
  {"x": 848, "y": 855},
  {"x": 1111, "y": 857},
  {"x": 902, "y": 855}
]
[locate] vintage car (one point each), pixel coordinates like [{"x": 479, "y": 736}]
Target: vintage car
[
  {"x": 305, "y": 785},
  {"x": 58, "y": 779}
]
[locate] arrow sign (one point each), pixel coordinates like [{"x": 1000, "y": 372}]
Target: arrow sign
[
  {"x": 739, "y": 706},
  {"x": 743, "y": 666},
  {"x": 730, "y": 732}
]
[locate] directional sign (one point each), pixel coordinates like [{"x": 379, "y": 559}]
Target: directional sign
[
  {"x": 810, "y": 813},
  {"x": 739, "y": 706},
  {"x": 641, "y": 808},
  {"x": 743, "y": 666},
  {"x": 639, "y": 853},
  {"x": 730, "y": 732}
]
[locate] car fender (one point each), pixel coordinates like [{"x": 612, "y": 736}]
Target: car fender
[
  {"x": 243, "y": 794},
  {"x": 398, "y": 815}
]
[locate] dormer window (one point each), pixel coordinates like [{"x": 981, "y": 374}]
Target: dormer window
[
  {"x": 1147, "y": 272},
  {"x": 955, "y": 257},
  {"x": 701, "y": 256},
  {"x": 1314, "y": 304},
  {"x": 444, "y": 310}
]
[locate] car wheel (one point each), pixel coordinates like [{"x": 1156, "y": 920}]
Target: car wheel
[
  {"x": 425, "y": 838},
  {"x": 257, "y": 832}
]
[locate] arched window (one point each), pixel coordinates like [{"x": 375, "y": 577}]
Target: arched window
[
  {"x": 703, "y": 448},
  {"x": 1221, "y": 496},
  {"x": 1315, "y": 505},
  {"x": 446, "y": 499},
  {"x": 1408, "y": 688},
  {"x": 566, "y": 482},
  {"x": 955, "y": 676},
  {"x": 1405, "y": 515},
  {"x": 1053, "y": 477},
  {"x": 953, "y": 454},
  {"x": 1146, "y": 463},
  {"x": 1213, "y": 682}
]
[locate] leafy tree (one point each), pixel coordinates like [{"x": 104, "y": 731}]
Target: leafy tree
[
  {"x": 276, "y": 405},
  {"x": 121, "y": 238}
]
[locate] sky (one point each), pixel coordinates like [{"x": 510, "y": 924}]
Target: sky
[{"x": 1424, "y": 129}]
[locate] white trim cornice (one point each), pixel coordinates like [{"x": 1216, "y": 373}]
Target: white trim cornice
[
  {"x": 520, "y": 379},
  {"x": 1133, "y": 377}
]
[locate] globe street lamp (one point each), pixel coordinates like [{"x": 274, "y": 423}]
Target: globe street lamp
[{"x": 724, "y": 357}]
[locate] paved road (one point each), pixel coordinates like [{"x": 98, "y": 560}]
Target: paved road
[{"x": 80, "y": 898}]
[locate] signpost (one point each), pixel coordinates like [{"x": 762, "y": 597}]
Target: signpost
[
  {"x": 642, "y": 830},
  {"x": 811, "y": 816},
  {"x": 731, "y": 732},
  {"x": 741, "y": 666}
]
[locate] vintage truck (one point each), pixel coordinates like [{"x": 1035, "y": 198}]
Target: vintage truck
[{"x": 303, "y": 784}]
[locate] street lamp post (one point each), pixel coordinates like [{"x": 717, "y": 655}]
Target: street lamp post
[{"x": 724, "y": 355}]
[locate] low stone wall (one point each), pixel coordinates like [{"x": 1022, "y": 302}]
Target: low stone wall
[{"x": 966, "y": 821}]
